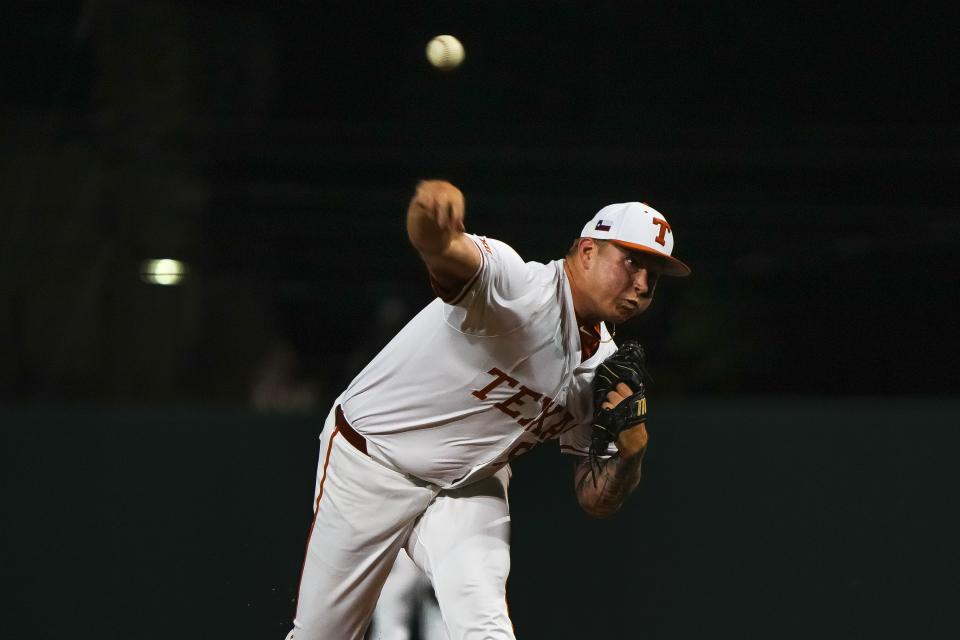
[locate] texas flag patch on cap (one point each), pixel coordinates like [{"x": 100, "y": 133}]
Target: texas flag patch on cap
[{"x": 603, "y": 225}]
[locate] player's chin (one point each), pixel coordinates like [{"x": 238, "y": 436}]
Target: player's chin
[{"x": 625, "y": 311}]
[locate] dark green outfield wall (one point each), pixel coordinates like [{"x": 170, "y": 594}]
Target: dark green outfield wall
[{"x": 755, "y": 519}]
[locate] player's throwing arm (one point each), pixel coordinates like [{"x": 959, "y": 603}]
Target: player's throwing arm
[
  {"x": 435, "y": 226},
  {"x": 415, "y": 454}
]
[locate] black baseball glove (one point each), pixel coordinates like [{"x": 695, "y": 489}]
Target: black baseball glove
[{"x": 627, "y": 365}]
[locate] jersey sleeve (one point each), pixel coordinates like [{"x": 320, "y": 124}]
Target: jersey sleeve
[{"x": 500, "y": 297}]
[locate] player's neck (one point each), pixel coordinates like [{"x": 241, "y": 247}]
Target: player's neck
[{"x": 581, "y": 302}]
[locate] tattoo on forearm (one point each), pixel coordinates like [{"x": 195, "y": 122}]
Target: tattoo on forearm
[{"x": 603, "y": 491}]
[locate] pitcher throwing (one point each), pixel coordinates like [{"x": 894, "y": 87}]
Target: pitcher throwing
[{"x": 416, "y": 451}]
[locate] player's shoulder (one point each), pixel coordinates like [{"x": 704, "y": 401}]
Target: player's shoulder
[
  {"x": 500, "y": 253},
  {"x": 493, "y": 248}
]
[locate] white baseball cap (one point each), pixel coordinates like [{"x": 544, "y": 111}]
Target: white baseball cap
[{"x": 638, "y": 227}]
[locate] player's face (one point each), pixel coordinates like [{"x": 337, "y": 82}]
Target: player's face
[{"x": 623, "y": 282}]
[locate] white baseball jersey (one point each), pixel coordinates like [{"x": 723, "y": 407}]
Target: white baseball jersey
[{"x": 473, "y": 382}]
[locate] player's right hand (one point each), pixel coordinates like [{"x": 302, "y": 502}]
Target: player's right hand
[{"x": 442, "y": 203}]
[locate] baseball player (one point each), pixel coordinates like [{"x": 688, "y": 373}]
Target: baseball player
[{"x": 416, "y": 452}]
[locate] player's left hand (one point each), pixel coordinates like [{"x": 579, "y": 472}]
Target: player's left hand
[
  {"x": 631, "y": 440},
  {"x": 616, "y": 396},
  {"x": 620, "y": 403}
]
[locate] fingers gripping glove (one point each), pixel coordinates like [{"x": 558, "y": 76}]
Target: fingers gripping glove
[
  {"x": 627, "y": 365},
  {"x": 608, "y": 423}
]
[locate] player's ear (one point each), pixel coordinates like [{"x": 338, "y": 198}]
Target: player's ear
[{"x": 587, "y": 250}]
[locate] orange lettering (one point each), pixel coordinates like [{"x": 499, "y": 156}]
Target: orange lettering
[
  {"x": 501, "y": 377},
  {"x": 518, "y": 399},
  {"x": 557, "y": 427},
  {"x": 520, "y": 448},
  {"x": 538, "y": 420},
  {"x": 664, "y": 227}
]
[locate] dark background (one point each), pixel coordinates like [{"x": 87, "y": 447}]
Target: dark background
[
  {"x": 801, "y": 481},
  {"x": 757, "y": 518}
]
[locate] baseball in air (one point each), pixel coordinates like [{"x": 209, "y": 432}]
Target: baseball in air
[{"x": 445, "y": 52}]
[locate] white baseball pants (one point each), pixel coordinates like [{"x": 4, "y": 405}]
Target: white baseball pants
[{"x": 365, "y": 513}]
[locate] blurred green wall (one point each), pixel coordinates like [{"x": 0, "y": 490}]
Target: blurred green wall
[{"x": 772, "y": 518}]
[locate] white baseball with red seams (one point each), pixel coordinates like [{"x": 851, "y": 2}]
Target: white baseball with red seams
[
  {"x": 445, "y": 52},
  {"x": 463, "y": 389}
]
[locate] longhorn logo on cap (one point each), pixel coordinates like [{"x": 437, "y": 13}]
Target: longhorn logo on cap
[{"x": 603, "y": 225}]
